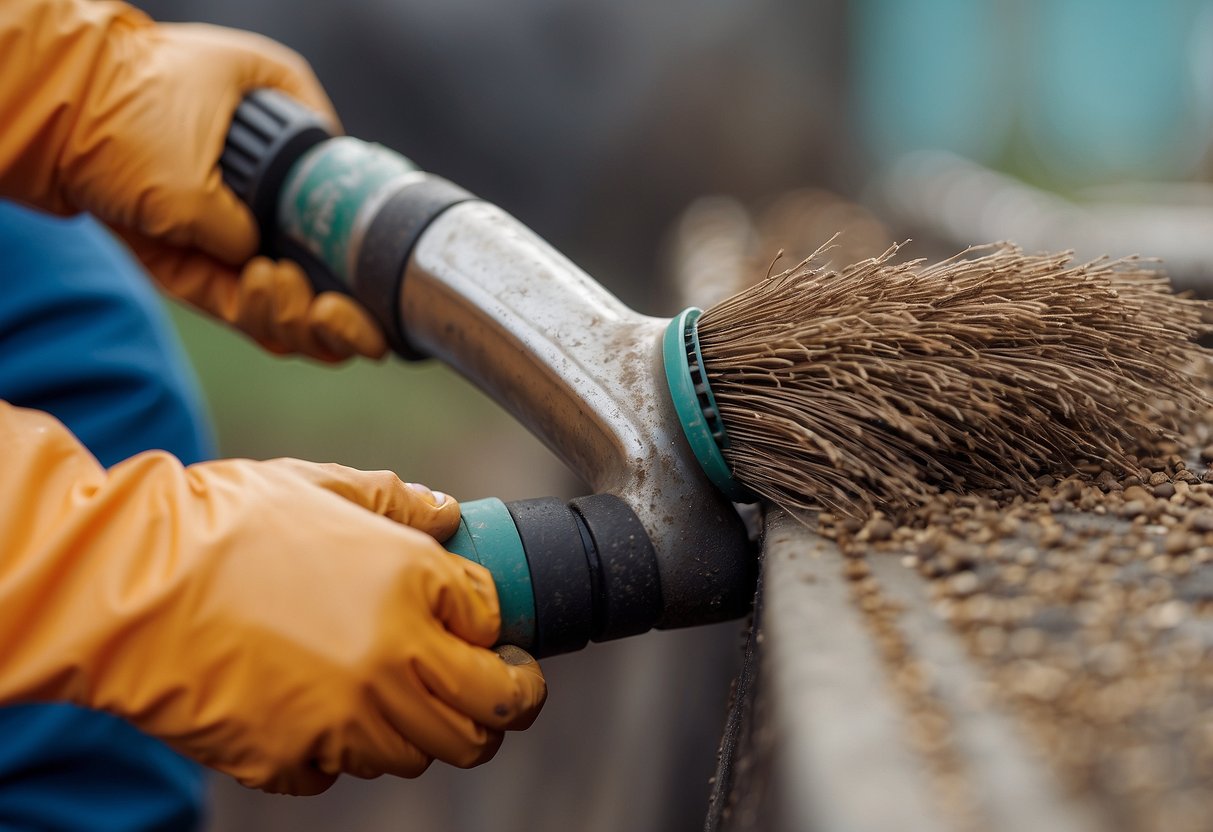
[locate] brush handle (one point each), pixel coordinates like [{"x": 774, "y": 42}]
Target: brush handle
[
  {"x": 458, "y": 279},
  {"x": 349, "y": 212},
  {"x": 552, "y": 564},
  {"x": 488, "y": 296}
]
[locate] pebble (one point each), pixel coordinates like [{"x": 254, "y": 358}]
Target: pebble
[
  {"x": 880, "y": 529},
  {"x": 1136, "y": 493},
  {"x": 855, "y": 570},
  {"x": 1167, "y": 615},
  {"x": 1133, "y": 508},
  {"x": 963, "y": 583},
  {"x": 1177, "y": 542}
]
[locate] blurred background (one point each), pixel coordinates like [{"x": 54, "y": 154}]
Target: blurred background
[{"x": 672, "y": 149}]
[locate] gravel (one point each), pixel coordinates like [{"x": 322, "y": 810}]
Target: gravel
[{"x": 1090, "y": 608}]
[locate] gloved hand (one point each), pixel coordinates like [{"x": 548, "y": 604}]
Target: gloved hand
[
  {"x": 114, "y": 114},
  {"x": 280, "y": 621}
]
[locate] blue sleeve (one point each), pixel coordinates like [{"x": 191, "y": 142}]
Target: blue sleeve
[{"x": 83, "y": 337}]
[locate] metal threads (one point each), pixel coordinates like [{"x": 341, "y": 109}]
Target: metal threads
[{"x": 882, "y": 384}]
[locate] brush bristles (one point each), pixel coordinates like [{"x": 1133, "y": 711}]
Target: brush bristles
[{"x": 881, "y": 384}]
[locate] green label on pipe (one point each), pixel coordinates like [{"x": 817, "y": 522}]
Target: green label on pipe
[{"x": 325, "y": 190}]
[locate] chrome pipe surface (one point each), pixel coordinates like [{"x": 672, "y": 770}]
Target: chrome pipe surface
[{"x": 484, "y": 294}]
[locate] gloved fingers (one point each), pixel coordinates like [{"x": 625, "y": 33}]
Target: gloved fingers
[
  {"x": 198, "y": 216},
  {"x": 207, "y": 214},
  {"x": 439, "y": 730},
  {"x": 270, "y": 301},
  {"x": 245, "y": 300},
  {"x": 277, "y": 306},
  {"x": 382, "y": 492},
  {"x": 209, "y": 218},
  {"x": 272, "y": 307},
  {"x": 258, "y": 61},
  {"x": 377, "y": 749},
  {"x": 433, "y": 512},
  {"x": 305, "y": 779},
  {"x": 480, "y": 684},
  {"x": 489, "y": 747},
  {"x": 463, "y": 598},
  {"x": 344, "y": 327},
  {"x": 200, "y": 281},
  {"x": 396, "y": 757}
]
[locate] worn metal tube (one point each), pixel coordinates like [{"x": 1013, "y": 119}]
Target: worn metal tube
[
  {"x": 454, "y": 278},
  {"x": 584, "y": 373}
]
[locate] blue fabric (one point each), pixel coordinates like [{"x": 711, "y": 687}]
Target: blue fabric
[{"x": 83, "y": 337}]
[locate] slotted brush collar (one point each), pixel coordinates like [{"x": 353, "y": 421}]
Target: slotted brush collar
[{"x": 695, "y": 403}]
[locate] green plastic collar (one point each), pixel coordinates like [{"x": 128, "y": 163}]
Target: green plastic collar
[
  {"x": 487, "y": 535},
  {"x": 321, "y": 197},
  {"x": 696, "y": 405}
]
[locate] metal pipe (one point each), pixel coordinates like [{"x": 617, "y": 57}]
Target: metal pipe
[
  {"x": 457, "y": 279},
  {"x": 584, "y": 373}
]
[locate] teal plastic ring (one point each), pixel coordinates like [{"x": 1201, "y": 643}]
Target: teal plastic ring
[
  {"x": 680, "y": 346},
  {"x": 487, "y": 535}
]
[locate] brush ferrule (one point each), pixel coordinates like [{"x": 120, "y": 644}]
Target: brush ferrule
[{"x": 695, "y": 403}]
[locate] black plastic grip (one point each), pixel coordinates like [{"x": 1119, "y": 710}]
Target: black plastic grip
[
  {"x": 627, "y": 585},
  {"x": 396, "y": 228},
  {"x": 560, "y": 576},
  {"x": 269, "y": 132},
  {"x": 593, "y": 571}
]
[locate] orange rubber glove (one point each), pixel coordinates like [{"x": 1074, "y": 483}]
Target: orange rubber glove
[
  {"x": 280, "y": 621},
  {"x": 105, "y": 111}
]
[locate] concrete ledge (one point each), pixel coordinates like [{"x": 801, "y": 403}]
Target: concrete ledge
[{"x": 828, "y": 732}]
